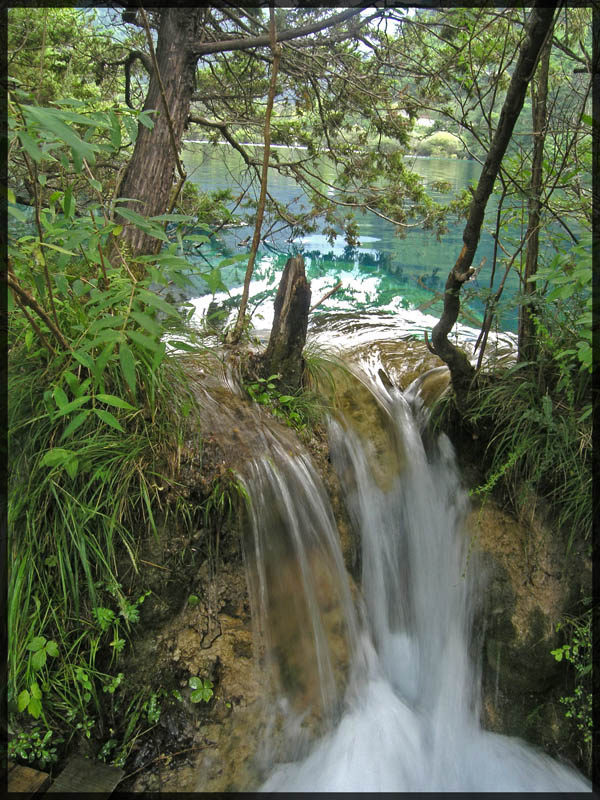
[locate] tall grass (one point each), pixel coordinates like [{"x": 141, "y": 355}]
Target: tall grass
[
  {"x": 73, "y": 528},
  {"x": 538, "y": 445}
]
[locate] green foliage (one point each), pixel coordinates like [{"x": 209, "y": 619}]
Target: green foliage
[
  {"x": 538, "y": 441},
  {"x": 568, "y": 283},
  {"x": 440, "y": 143},
  {"x": 202, "y": 690},
  {"x": 299, "y": 411},
  {"x": 536, "y": 417},
  {"x": 206, "y": 207},
  {"x": 98, "y": 406},
  {"x": 577, "y": 652},
  {"x": 36, "y": 747}
]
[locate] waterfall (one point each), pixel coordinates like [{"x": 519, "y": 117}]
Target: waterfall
[{"x": 379, "y": 694}]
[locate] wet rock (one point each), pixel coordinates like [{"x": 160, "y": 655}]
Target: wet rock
[{"x": 527, "y": 587}]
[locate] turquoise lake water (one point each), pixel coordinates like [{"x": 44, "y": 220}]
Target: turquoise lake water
[{"x": 385, "y": 274}]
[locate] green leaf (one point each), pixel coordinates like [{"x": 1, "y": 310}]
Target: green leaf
[
  {"x": 60, "y": 397},
  {"x": 159, "y": 355},
  {"x": 92, "y": 121},
  {"x": 80, "y": 288},
  {"x": 74, "y": 404},
  {"x": 109, "y": 321},
  {"x": 72, "y": 467},
  {"x": 189, "y": 348},
  {"x": 30, "y": 146},
  {"x": 37, "y": 643},
  {"x": 56, "y": 247},
  {"x": 214, "y": 280},
  {"x": 68, "y": 203},
  {"x": 203, "y": 692},
  {"x": 143, "y": 341},
  {"x": 16, "y": 213},
  {"x": 75, "y": 423},
  {"x": 62, "y": 284},
  {"x": 49, "y": 120},
  {"x": 83, "y": 358},
  {"x": 36, "y": 691},
  {"x": 115, "y": 130},
  {"x": 195, "y": 683},
  {"x": 107, "y": 417},
  {"x": 142, "y": 223},
  {"x": 145, "y": 119},
  {"x": 146, "y": 322},
  {"x": 23, "y": 700},
  {"x": 38, "y": 659},
  {"x": 132, "y": 128},
  {"x": 172, "y": 218},
  {"x": 194, "y": 237},
  {"x": 152, "y": 299},
  {"x": 227, "y": 262},
  {"x": 111, "y": 400},
  {"x": 128, "y": 366},
  {"x": 35, "y": 708}
]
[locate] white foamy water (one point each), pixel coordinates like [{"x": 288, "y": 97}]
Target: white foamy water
[{"x": 410, "y": 717}]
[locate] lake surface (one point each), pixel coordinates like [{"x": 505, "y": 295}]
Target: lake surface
[{"x": 385, "y": 274}]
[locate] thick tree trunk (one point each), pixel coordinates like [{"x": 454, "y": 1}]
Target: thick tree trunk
[
  {"x": 151, "y": 170},
  {"x": 539, "y": 96},
  {"x": 288, "y": 335},
  {"x": 461, "y": 370}
]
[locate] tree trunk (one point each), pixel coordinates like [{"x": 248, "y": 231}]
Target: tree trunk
[
  {"x": 461, "y": 370},
  {"x": 150, "y": 173},
  {"x": 288, "y": 335},
  {"x": 539, "y": 96}
]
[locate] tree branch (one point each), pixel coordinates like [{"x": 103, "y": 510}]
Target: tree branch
[
  {"x": 276, "y": 50},
  {"x": 29, "y": 300},
  {"x": 208, "y": 48}
]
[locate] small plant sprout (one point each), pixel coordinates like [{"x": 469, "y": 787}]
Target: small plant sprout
[{"x": 202, "y": 690}]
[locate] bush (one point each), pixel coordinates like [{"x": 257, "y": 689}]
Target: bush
[{"x": 442, "y": 144}]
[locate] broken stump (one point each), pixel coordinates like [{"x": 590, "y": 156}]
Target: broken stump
[{"x": 288, "y": 335}]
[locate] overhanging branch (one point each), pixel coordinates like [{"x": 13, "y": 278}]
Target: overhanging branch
[{"x": 209, "y": 48}]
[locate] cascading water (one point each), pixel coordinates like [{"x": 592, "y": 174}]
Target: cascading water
[{"x": 404, "y": 716}]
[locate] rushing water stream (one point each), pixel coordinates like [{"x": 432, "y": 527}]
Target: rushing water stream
[{"x": 379, "y": 694}]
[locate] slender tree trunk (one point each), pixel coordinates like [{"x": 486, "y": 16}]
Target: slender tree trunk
[
  {"x": 461, "y": 370},
  {"x": 260, "y": 211},
  {"x": 151, "y": 170},
  {"x": 539, "y": 97}
]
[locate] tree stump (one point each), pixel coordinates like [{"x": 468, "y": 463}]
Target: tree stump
[{"x": 288, "y": 335}]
